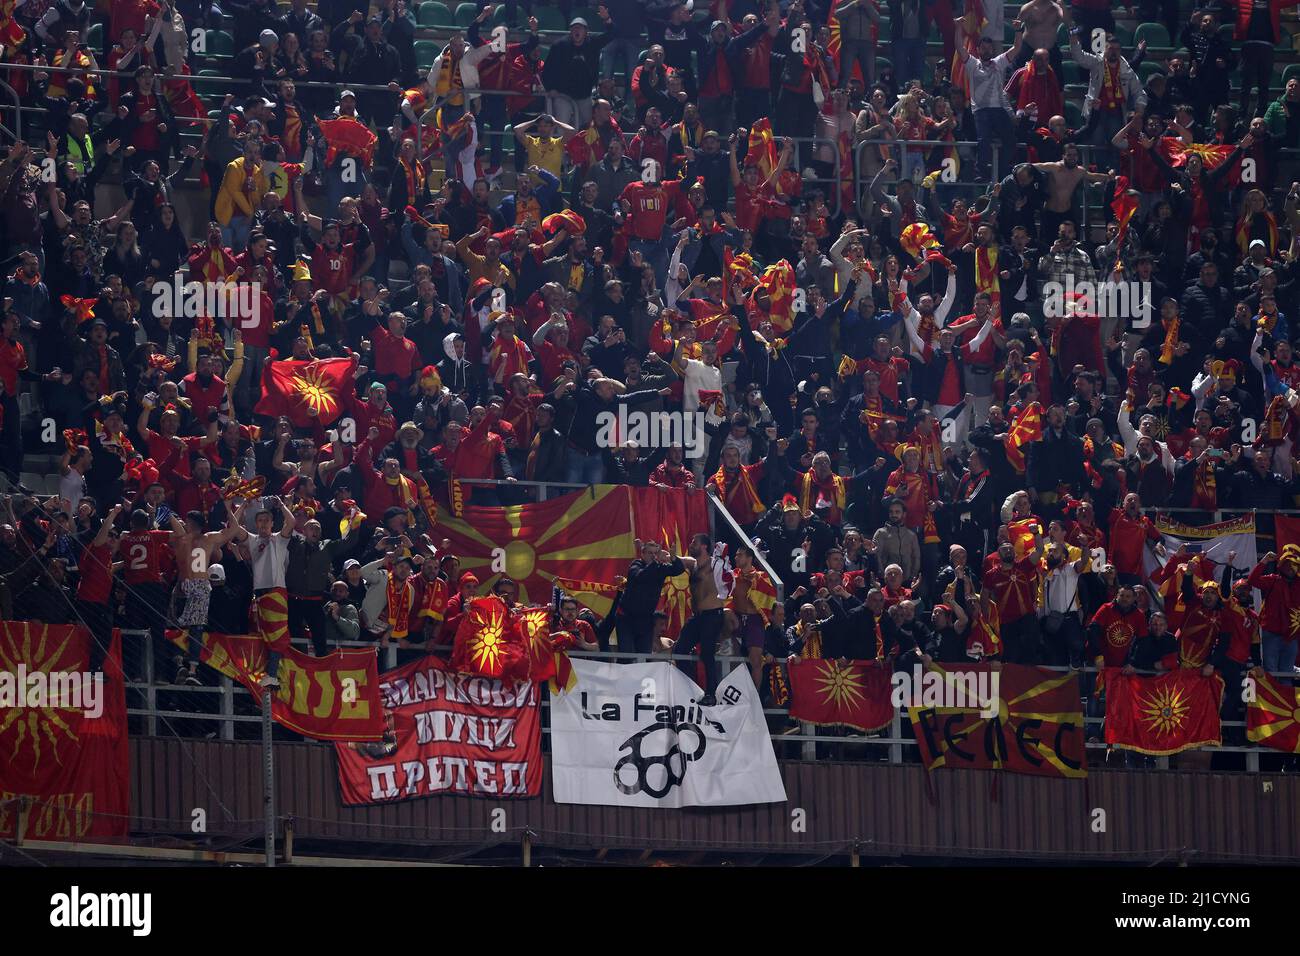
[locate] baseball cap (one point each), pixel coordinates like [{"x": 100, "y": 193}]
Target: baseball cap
[
  {"x": 345, "y": 94},
  {"x": 1257, "y": 242},
  {"x": 216, "y": 573},
  {"x": 351, "y": 563},
  {"x": 577, "y": 22},
  {"x": 267, "y": 37}
]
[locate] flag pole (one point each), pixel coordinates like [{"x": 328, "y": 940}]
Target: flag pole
[{"x": 268, "y": 778}]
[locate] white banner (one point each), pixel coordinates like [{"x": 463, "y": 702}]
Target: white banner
[
  {"x": 1214, "y": 542},
  {"x": 635, "y": 735}
]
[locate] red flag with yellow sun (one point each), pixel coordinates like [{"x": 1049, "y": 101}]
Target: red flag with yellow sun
[
  {"x": 849, "y": 694},
  {"x": 1166, "y": 714},
  {"x": 489, "y": 642},
  {"x": 65, "y": 748},
  {"x": 296, "y": 388}
]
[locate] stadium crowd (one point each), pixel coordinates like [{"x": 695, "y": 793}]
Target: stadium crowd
[{"x": 885, "y": 283}]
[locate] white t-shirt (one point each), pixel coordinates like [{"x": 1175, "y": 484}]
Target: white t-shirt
[
  {"x": 72, "y": 486},
  {"x": 269, "y": 556}
]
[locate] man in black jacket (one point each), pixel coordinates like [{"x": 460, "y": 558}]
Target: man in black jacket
[
  {"x": 1054, "y": 461},
  {"x": 640, "y": 596},
  {"x": 571, "y": 69}
]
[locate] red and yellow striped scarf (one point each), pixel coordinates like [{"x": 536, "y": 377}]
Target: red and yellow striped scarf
[
  {"x": 745, "y": 484},
  {"x": 399, "y": 606},
  {"x": 415, "y": 177},
  {"x": 810, "y": 488}
]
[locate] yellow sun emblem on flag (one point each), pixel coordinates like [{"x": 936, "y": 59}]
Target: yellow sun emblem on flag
[
  {"x": 35, "y": 727},
  {"x": 1165, "y": 710},
  {"x": 840, "y": 686},
  {"x": 487, "y": 647},
  {"x": 1295, "y": 619},
  {"x": 316, "y": 390}
]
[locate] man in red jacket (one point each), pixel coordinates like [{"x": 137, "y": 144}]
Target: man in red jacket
[
  {"x": 1280, "y": 618},
  {"x": 1129, "y": 532}
]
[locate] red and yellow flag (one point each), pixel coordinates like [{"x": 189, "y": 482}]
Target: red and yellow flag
[
  {"x": 75, "y": 766},
  {"x": 1212, "y": 156},
  {"x": 335, "y": 697},
  {"x": 1028, "y": 427},
  {"x": 350, "y": 137},
  {"x": 294, "y": 387},
  {"x": 762, "y": 150},
  {"x": 1166, "y": 714},
  {"x": 853, "y": 694},
  {"x": 779, "y": 281},
  {"x": 489, "y": 642},
  {"x": 1034, "y": 725},
  {"x": 1273, "y": 717}
]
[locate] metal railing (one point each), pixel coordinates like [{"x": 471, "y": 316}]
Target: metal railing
[
  {"x": 861, "y": 186},
  {"x": 899, "y": 746}
]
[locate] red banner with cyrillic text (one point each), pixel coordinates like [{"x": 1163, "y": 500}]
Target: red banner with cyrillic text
[{"x": 447, "y": 733}]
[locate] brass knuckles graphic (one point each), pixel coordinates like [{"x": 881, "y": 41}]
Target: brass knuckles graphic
[{"x": 642, "y": 764}]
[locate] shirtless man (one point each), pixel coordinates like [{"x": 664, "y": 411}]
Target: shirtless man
[
  {"x": 705, "y": 626},
  {"x": 1041, "y": 19},
  {"x": 1063, "y": 179},
  {"x": 195, "y": 551}
]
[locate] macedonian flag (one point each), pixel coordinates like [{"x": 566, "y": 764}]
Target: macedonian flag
[
  {"x": 585, "y": 536},
  {"x": 1028, "y": 427},
  {"x": 297, "y": 388},
  {"x": 1273, "y": 717},
  {"x": 1037, "y": 727},
  {"x": 851, "y": 694},
  {"x": 1212, "y": 156},
  {"x": 489, "y": 642},
  {"x": 1166, "y": 714}
]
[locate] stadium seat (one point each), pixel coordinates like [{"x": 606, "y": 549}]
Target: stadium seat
[
  {"x": 1062, "y": 36},
  {"x": 550, "y": 18},
  {"x": 220, "y": 43},
  {"x": 95, "y": 37},
  {"x": 1073, "y": 72},
  {"x": 500, "y": 16},
  {"x": 1154, "y": 33},
  {"x": 1125, "y": 36},
  {"x": 426, "y": 51},
  {"x": 433, "y": 13},
  {"x": 1073, "y": 115},
  {"x": 466, "y": 14},
  {"x": 1146, "y": 68}
]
